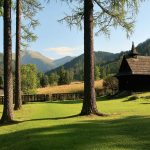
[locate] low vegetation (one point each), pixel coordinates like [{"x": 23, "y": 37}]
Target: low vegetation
[
  {"x": 53, "y": 126},
  {"x": 71, "y": 88}
]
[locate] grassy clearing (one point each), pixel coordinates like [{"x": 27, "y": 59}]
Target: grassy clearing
[
  {"x": 72, "y": 88},
  {"x": 51, "y": 126}
]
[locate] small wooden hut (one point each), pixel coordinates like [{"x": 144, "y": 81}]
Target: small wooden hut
[{"x": 134, "y": 72}]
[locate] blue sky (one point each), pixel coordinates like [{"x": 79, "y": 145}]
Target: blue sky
[{"x": 56, "y": 40}]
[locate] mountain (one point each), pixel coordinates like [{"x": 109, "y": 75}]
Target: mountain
[
  {"x": 42, "y": 62},
  {"x": 144, "y": 48},
  {"x": 109, "y": 62},
  {"x": 76, "y": 65},
  {"x": 63, "y": 60}
]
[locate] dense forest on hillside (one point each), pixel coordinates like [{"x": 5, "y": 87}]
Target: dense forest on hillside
[
  {"x": 76, "y": 65},
  {"x": 107, "y": 62}
]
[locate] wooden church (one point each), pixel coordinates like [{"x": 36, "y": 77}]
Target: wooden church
[{"x": 134, "y": 72}]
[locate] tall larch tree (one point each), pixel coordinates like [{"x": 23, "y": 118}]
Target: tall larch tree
[
  {"x": 18, "y": 100},
  {"x": 107, "y": 13},
  {"x": 89, "y": 103},
  {"x": 7, "y": 115},
  {"x": 28, "y": 9}
]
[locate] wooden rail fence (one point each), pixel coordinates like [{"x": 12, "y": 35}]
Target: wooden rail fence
[{"x": 52, "y": 97}]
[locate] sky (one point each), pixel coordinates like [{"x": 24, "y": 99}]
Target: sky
[{"x": 56, "y": 40}]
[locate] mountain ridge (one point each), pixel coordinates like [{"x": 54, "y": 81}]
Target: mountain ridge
[
  {"x": 108, "y": 62},
  {"x": 42, "y": 62}
]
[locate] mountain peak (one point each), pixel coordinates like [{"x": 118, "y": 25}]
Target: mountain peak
[{"x": 42, "y": 62}]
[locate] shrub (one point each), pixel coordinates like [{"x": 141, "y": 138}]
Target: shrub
[
  {"x": 29, "y": 81},
  {"x": 110, "y": 85}
]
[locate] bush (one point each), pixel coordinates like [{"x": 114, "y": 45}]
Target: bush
[
  {"x": 110, "y": 85},
  {"x": 29, "y": 81},
  {"x": 65, "y": 77},
  {"x": 53, "y": 78}
]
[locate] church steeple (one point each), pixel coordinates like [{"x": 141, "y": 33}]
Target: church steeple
[{"x": 133, "y": 51}]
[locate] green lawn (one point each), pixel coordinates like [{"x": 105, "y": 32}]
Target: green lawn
[{"x": 51, "y": 126}]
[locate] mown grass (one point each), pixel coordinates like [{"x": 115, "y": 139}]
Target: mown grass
[
  {"x": 71, "y": 88},
  {"x": 52, "y": 125}
]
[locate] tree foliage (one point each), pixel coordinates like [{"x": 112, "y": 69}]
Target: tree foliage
[
  {"x": 29, "y": 79},
  {"x": 107, "y": 14},
  {"x": 65, "y": 77},
  {"x": 1, "y": 7},
  {"x": 110, "y": 85},
  {"x": 53, "y": 78},
  {"x": 43, "y": 79},
  {"x": 97, "y": 72},
  {"x": 30, "y": 8}
]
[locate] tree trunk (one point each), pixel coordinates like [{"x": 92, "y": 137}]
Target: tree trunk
[
  {"x": 7, "y": 115},
  {"x": 89, "y": 103},
  {"x": 18, "y": 100}
]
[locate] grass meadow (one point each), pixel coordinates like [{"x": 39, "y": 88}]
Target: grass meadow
[
  {"x": 53, "y": 125},
  {"x": 71, "y": 88}
]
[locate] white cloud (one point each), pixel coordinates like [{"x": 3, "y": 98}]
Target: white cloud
[{"x": 64, "y": 51}]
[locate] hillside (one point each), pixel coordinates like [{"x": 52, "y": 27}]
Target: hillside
[
  {"x": 42, "y": 62},
  {"x": 76, "y": 65},
  {"x": 108, "y": 62},
  {"x": 63, "y": 60}
]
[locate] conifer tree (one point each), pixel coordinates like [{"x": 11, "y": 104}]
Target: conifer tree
[
  {"x": 7, "y": 115},
  {"x": 107, "y": 14}
]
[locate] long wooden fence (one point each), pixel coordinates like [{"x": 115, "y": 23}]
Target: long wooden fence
[{"x": 52, "y": 97}]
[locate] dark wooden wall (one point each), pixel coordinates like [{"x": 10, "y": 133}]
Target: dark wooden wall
[{"x": 135, "y": 83}]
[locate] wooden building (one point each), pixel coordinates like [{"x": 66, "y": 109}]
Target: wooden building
[{"x": 134, "y": 72}]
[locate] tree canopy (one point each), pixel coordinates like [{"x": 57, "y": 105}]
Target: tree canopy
[{"x": 107, "y": 14}]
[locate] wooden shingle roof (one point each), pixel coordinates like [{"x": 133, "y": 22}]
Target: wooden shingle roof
[
  {"x": 139, "y": 65},
  {"x": 134, "y": 64}
]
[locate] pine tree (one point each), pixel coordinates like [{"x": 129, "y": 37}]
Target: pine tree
[
  {"x": 110, "y": 13},
  {"x": 7, "y": 115},
  {"x": 18, "y": 100}
]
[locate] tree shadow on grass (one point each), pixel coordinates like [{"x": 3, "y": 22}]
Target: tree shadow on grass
[
  {"x": 67, "y": 102},
  {"x": 55, "y": 118},
  {"x": 102, "y": 98},
  {"x": 129, "y": 100},
  {"x": 127, "y": 133},
  {"x": 58, "y": 102},
  {"x": 10, "y": 123},
  {"x": 145, "y": 103}
]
